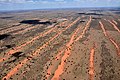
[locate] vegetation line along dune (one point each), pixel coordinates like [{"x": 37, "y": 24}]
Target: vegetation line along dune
[
  {"x": 25, "y": 30},
  {"x": 114, "y": 22},
  {"x": 111, "y": 39},
  {"x": 60, "y": 44},
  {"x": 85, "y": 29},
  {"x": 114, "y": 25},
  {"x": 58, "y": 56},
  {"x": 12, "y": 29},
  {"x": 67, "y": 53},
  {"x": 16, "y": 68},
  {"x": 18, "y": 48}
]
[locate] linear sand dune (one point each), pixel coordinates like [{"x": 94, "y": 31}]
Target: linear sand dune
[
  {"x": 67, "y": 53},
  {"x": 111, "y": 39},
  {"x": 18, "y": 48},
  {"x": 85, "y": 29},
  {"x": 13, "y": 29},
  {"x": 115, "y": 22},
  {"x": 115, "y": 27},
  {"x": 118, "y": 19},
  {"x": 91, "y": 63},
  {"x": 61, "y": 51},
  {"x": 25, "y": 30},
  {"x": 58, "y": 55},
  {"x": 16, "y": 68}
]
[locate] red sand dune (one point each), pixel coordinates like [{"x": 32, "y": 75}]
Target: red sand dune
[
  {"x": 12, "y": 29},
  {"x": 114, "y": 22},
  {"x": 25, "y": 30},
  {"x": 67, "y": 53},
  {"x": 18, "y": 48},
  {"x": 85, "y": 29},
  {"x": 91, "y": 63},
  {"x": 111, "y": 39},
  {"x": 16, "y": 68},
  {"x": 61, "y": 51},
  {"x": 114, "y": 25}
]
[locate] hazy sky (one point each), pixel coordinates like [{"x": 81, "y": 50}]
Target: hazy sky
[{"x": 42, "y": 4}]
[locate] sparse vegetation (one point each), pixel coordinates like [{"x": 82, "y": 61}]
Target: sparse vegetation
[{"x": 66, "y": 44}]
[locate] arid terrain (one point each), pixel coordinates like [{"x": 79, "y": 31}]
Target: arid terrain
[{"x": 68, "y": 44}]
